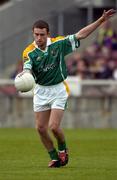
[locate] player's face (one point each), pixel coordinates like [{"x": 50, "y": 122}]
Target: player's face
[{"x": 40, "y": 37}]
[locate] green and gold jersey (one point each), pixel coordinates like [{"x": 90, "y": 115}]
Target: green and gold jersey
[{"x": 48, "y": 67}]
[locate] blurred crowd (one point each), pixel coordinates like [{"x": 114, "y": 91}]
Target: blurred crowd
[{"x": 99, "y": 60}]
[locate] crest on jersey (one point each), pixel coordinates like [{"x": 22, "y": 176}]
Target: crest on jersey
[
  {"x": 38, "y": 58},
  {"x": 54, "y": 51}
]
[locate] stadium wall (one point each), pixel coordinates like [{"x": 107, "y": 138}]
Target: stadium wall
[{"x": 82, "y": 112}]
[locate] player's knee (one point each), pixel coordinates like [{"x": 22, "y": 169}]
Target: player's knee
[
  {"x": 41, "y": 130},
  {"x": 53, "y": 128}
]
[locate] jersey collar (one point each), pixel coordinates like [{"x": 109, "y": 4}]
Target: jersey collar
[{"x": 48, "y": 43}]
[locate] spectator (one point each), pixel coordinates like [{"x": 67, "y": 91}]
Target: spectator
[
  {"x": 105, "y": 35},
  {"x": 72, "y": 63}
]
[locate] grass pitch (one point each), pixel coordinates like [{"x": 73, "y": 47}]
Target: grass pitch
[{"x": 93, "y": 156}]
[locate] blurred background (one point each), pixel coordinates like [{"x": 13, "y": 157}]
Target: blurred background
[{"x": 92, "y": 68}]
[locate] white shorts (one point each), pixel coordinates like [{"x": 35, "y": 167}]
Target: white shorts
[{"x": 50, "y": 97}]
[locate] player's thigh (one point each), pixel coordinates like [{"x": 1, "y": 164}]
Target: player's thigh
[
  {"x": 55, "y": 118},
  {"x": 42, "y": 118}
]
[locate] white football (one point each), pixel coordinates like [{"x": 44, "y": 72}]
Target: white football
[{"x": 24, "y": 82}]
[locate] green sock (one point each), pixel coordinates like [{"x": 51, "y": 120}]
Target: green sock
[
  {"x": 53, "y": 154},
  {"x": 62, "y": 146}
]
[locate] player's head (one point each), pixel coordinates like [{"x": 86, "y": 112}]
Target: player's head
[{"x": 40, "y": 33}]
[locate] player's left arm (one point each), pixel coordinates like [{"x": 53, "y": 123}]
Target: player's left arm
[{"x": 86, "y": 31}]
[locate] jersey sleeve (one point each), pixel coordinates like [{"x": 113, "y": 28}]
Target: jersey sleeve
[
  {"x": 70, "y": 44},
  {"x": 27, "y": 62}
]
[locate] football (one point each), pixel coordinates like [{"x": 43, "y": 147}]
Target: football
[{"x": 24, "y": 82}]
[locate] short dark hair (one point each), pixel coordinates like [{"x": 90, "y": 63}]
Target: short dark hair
[{"x": 41, "y": 24}]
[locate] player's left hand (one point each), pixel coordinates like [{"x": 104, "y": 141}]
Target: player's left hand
[{"x": 108, "y": 14}]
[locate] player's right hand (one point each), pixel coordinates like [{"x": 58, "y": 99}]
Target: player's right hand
[{"x": 108, "y": 14}]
